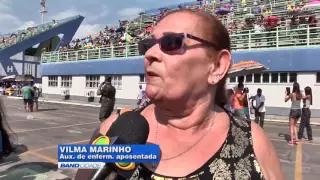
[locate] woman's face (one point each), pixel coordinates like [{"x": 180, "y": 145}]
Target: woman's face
[{"x": 182, "y": 73}]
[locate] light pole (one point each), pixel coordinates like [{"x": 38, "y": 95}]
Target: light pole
[{"x": 43, "y": 11}]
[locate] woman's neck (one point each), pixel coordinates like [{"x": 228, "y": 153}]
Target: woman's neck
[{"x": 196, "y": 116}]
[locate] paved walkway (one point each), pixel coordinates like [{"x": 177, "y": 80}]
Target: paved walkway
[
  {"x": 39, "y": 133},
  {"x": 269, "y": 117}
]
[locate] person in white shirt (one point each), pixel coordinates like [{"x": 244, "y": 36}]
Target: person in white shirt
[{"x": 259, "y": 107}]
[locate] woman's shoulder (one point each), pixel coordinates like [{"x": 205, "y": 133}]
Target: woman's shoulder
[
  {"x": 248, "y": 134},
  {"x": 265, "y": 153}
]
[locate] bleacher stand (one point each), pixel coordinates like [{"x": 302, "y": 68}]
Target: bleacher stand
[
  {"x": 10, "y": 39},
  {"x": 251, "y": 24}
]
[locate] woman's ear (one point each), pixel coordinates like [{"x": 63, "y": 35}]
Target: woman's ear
[{"x": 220, "y": 67}]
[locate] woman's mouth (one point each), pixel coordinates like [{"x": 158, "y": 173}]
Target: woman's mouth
[{"x": 151, "y": 74}]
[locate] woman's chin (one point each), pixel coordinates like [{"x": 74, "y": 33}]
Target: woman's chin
[{"x": 152, "y": 92}]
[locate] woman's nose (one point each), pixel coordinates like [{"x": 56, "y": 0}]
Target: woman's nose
[{"x": 154, "y": 54}]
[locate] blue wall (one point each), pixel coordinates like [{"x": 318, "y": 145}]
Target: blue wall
[
  {"x": 287, "y": 60},
  {"x": 95, "y": 67}
]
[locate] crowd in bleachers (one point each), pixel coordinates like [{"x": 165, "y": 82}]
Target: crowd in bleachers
[
  {"x": 238, "y": 16},
  {"x": 20, "y": 35},
  {"x": 10, "y": 39},
  {"x": 115, "y": 35}
]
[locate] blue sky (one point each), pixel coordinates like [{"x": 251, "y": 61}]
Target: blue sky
[{"x": 19, "y": 14}]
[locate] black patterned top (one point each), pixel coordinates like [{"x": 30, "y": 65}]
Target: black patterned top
[{"x": 235, "y": 160}]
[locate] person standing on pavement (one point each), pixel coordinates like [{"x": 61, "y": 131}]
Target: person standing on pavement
[
  {"x": 295, "y": 111},
  {"x": 259, "y": 108},
  {"x": 36, "y": 97},
  {"x": 230, "y": 94},
  {"x": 144, "y": 101},
  {"x": 27, "y": 94},
  {"x": 140, "y": 95},
  {"x": 238, "y": 101},
  {"x": 107, "y": 99},
  {"x": 306, "y": 114}
]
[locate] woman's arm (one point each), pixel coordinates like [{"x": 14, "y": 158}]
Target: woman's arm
[
  {"x": 287, "y": 97},
  {"x": 306, "y": 97},
  {"x": 241, "y": 97},
  {"x": 266, "y": 154}
]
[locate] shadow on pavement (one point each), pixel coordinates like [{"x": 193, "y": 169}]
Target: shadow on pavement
[
  {"x": 29, "y": 171},
  {"x": 285, "y": 136},
  {"x": 14, "y": 157}
]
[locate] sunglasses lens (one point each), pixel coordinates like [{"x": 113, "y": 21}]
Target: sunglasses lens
[
  {"x": 171, "y": 42},
  {"x": 145, "y": 45}
]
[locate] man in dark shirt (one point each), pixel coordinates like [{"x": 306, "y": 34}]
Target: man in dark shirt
[{"x": 107, "y": 100}]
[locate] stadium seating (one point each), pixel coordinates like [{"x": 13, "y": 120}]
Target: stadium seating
[
  {"x": 276, "y": 24},
  {"x": 8, "y": 40}
]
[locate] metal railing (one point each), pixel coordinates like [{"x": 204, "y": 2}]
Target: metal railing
[
  {"x": 278, "y": 38},
  {"x": 245, "y": 40}
]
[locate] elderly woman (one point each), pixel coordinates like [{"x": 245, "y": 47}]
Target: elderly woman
[{"x": 186, "y": 67}]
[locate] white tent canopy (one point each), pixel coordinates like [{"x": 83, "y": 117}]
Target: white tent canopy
[{"x": 9, "y": 77}]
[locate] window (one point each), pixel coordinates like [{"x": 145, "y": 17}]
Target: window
[
  {"x": 142, "y": 78},
  {"x": 283, "y": 77},
  {"x": 318, "y": 77},
  {"x": 53, "y": 81},
  {"x": 232, "y": 79},
  {"x": 249, "y": 78},
  {"x": 257, "y": 78},
  {"x": 92, "y": 81},
  {"x": 240, "y": 79},
  {"x": 66, "y": 81},
  {"x": 274, "y": 77},
  {"x": 293, "y": 77},
  {"x": 117, "y": 82},
  {"x": 265, "y": 77}
]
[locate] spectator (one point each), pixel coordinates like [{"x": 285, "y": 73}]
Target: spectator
[
  {"x": 127, "y": 33},
  {"x": 36, "y": 97},
  {"x": 259, "y": 107},
  {"x": 107, "y": 100},
  {"x": 27, "y": 93},
  {"x": 230, "y": 94},
  {"x": 295, "y": 111},
  {"x": 140, "y": 95},
  {"x": 238, "y": 101},
  {"x": 306, "y": 114},
  {"x": 144, "y": 101}
]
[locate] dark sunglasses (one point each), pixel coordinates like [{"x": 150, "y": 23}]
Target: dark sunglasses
[{"x": 169, "y": 42}]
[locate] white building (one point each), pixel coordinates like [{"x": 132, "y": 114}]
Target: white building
[
  {"x": 273, "y": 86},
  {"x": 82, "y": 87},
  {"x": 82, "y": 77}
]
